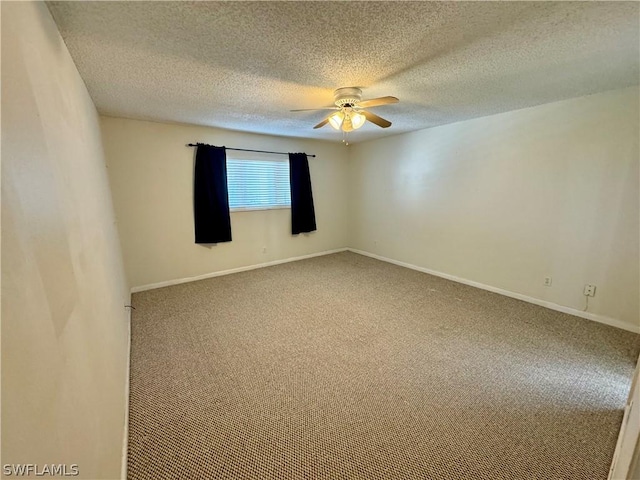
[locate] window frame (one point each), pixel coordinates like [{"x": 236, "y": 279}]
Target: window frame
[{"x": 255, "y": 157}]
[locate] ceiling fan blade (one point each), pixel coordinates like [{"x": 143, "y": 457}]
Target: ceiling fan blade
[
  {"x": 323, "y": 122},
  {"x": 373, "y": 118},
  {"x": 313, "y": 109},
  {"x": 375, "y": 102}
]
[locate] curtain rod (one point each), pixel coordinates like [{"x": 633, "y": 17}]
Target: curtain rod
[{"x": 245, "y": 150}]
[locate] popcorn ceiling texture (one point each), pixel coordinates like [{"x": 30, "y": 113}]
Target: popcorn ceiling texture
[
  {"x": 243, "y": 65},
  {"x": 345, "y": 367}
]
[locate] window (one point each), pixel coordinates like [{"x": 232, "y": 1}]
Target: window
[{"x": 258, "y": 184}]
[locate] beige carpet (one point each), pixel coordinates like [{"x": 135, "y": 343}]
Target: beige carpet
[{"x": 345, "y": 367}]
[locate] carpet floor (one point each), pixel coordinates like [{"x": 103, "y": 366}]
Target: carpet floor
[{"x": 342, "y": 366}]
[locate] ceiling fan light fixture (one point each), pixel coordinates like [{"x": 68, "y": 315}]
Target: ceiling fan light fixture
[
  {"x": 346, "y": 119},
  {"x": 357, "y": 120},
  {"x": 336, "y": 120},
  {"x": 347, "y": 125},
  {"x": 349, "y": 114}
]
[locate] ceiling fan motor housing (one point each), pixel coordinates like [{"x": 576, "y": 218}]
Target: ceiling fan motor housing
[{"x": 347, "y": 96}]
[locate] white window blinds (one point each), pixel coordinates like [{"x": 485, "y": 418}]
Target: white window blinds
[{"x": 258, "y": 184}]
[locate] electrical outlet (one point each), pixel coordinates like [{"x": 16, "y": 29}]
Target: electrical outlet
[
  {"x": 264, "y": 249},
  {"x": 547, "y": 281},
  {"x": 589, "y": 291}
]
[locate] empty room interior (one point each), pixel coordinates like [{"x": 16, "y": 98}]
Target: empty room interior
[{"x": 320, "y": 240}]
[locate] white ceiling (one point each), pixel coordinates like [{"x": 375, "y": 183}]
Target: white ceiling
[{"x": 244, "y": 65}]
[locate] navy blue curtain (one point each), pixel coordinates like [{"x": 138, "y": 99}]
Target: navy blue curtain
[
  {"x": 303, "y": 215},
  {"x": 210, "y": 196}
]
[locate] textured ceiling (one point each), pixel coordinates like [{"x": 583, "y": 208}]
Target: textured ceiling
[{"x": 244, "y": 65}]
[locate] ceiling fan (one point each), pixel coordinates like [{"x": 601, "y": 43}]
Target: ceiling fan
[{"x": 350, "y": 114}]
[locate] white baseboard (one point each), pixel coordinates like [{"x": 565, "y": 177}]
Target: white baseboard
[
  {"x": 543, "y": 303},
  {"x": 178, "y": 281},
  {"x": 125, "y": 439}
]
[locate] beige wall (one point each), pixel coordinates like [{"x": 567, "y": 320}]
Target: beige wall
[
  {"x": 509, "y": 199},
  {"x": 64, "y": 325},
  {"x": 151, "y": 173}
]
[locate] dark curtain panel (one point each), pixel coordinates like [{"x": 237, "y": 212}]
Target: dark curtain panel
[
  {"x": 210, "y": 196},
  {"x": 303, "y": 215}
]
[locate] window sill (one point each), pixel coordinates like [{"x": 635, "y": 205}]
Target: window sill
[{"x": 251, "y": 209}]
